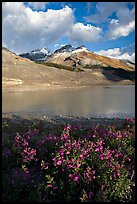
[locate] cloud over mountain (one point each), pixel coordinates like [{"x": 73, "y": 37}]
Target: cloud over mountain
[{"x": 123, "y": 53}]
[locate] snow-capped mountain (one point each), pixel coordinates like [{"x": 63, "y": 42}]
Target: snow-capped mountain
[
  {"x": 81, "y": 57},
  {"x": 70, "y": 48},
  {"x": 71, "y": 56},
  {"x": 81, "y": 48},
  {"x": 66, "y": 48},
  {"x": 37, "y": 55}
]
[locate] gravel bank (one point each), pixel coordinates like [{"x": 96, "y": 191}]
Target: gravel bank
[{"x": 52, "y": 121}]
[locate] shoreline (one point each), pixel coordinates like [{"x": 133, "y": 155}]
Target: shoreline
[
  {"x": 59, "y": 87},
  {"x": 21, "y": 123},
  {"x": 58, "y": 120}
]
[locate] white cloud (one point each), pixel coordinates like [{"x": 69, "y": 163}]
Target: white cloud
[
  {"x": 125, "y": 15},
  {"x": 37, "y": 5},
  {"x": 124, "y": 23},
  {"x": 56, "y": 45},
  {"x": 82, "y": 33},
  {"x": 114, "y": 21},
  {"x": 110, "y": 52},
  {"x": 104, "y": 10},
  {"x": 88, "y": 6},
  {"x": 117, "y": 30},
  {"x": 116, "y": 53},
  {"x": 123, "y": 26},
  {"x": 24, "y": 30}
]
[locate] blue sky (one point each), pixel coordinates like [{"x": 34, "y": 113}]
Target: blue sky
[{"x": 97, "y": 25}]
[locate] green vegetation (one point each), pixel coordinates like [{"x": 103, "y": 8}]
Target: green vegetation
[
  {"x": 96, "y": 66},
  {"x": 60, "y": 66}
]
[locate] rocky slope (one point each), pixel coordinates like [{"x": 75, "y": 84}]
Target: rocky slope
[
  {"x": 18, "y": 72},
  {"x": 82, "y": 57}
]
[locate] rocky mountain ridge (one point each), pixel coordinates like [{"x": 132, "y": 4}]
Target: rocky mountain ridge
[
  {"x": 82, "y": 57},
  {"x": 37, "y": 55},
  {"x": 69, "y": 55}
]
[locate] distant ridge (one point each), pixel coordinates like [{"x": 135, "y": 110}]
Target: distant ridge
[
  {"x": 80, "y": 56},
  {"x": 37, "y": 55}
]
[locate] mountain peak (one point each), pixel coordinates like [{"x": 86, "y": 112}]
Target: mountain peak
[
  {"x": 70, "y": 48},
  {"x": 65, "y": 48},
  {"x": 81, "y": 46},
  {"x": 42, "y": 50},
  {"x": 37, "y": 55}
]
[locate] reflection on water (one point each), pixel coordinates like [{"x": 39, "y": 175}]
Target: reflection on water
[{"x": 116, "y": 101}]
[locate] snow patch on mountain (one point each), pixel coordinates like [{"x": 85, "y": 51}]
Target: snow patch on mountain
[
  {"x": 37, "y": 55},
  {"x": 80, "y": 49},
  {"x": 71, "y": 49},
  {"x": 45, "y": 51}
]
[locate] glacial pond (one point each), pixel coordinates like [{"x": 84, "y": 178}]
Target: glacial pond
[{"x": 107, "y": 101}]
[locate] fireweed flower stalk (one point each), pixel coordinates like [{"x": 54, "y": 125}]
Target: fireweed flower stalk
[
  {"x": 21, "y": 146},
  {"x": 74, "y": 156},
  {"x": 80, "y": 148},
  {"x": 78, "y": 160}
]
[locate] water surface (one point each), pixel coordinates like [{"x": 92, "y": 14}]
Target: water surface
[{"x": 109, "y": 102}]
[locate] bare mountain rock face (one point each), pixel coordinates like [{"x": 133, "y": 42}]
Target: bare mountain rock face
[{"x": 82, "y": 57}]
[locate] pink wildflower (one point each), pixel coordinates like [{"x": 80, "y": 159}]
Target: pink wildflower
[
  {"x": 69, "y": 166},
  {"x": 78, "y": 165},
  {"x": 118, "y": 174},
  {"x": 50, "y": 185},
  {"x": 54, "y": 159},
  {"x": 76, "y": 178},
  {"x": 59, "y": 162},
  {"x": 72, "y": 159},
  {"x": 70, "y": 175},
  {"x": 101, "y": 147},
  {"x": 101, "y": 156},
  {"x": 81, "y": 156},
  {"x": 93, "y": 172},
  {"x": 117, "y": 155},
  {"x": 67, "y": 152},
  {"x": 97, "y": 150}
]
